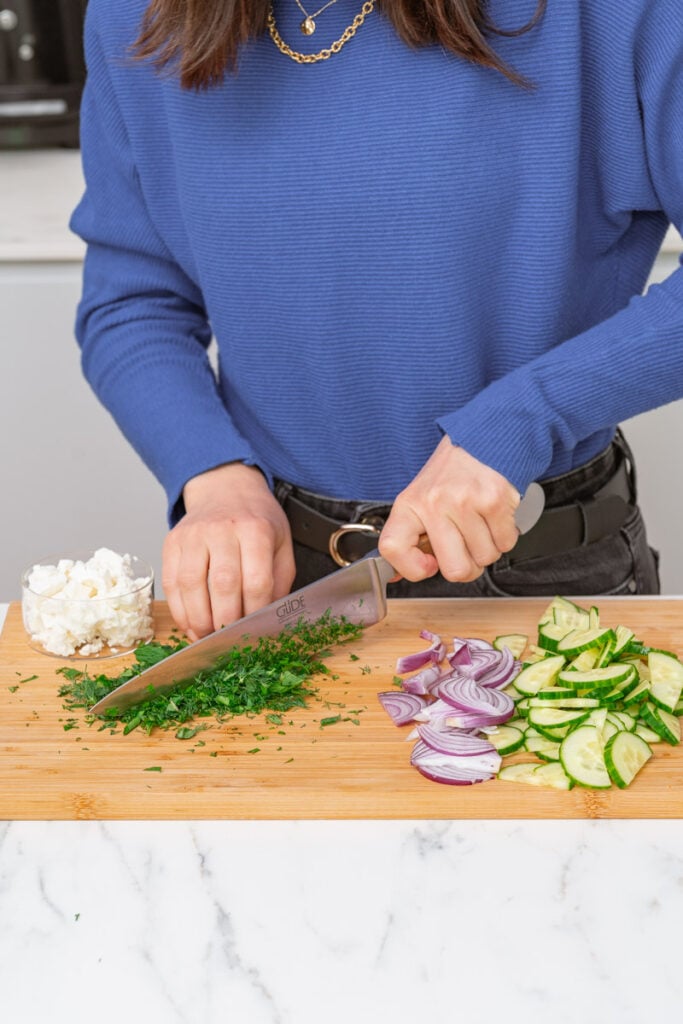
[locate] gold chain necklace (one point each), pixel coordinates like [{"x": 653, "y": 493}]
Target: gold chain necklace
[
  {"x": 308, "y": 25},
  {"x": 335, "y": 47}
]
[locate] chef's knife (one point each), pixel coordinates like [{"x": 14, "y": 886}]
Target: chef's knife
[{"x": 358, "y": 592}]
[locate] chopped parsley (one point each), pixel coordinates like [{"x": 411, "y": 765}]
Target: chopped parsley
[{"x": 272, "y": 674}]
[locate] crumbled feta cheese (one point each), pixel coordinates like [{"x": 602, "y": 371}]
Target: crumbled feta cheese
[{"x": 80, "y": 607}]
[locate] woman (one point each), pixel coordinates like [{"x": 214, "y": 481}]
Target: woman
[{"x": 421, "y": 252}]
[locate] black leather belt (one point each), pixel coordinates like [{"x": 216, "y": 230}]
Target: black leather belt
[{"x": 558, "y": 530}]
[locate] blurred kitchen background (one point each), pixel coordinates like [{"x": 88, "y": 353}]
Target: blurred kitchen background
[{"x": 70, "y": 480}]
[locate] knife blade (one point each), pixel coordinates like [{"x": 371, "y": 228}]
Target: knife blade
[{"x": 358, "y": 592}]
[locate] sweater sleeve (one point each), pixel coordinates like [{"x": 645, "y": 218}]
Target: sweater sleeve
[
  {"x": 141, "y": 322},
  {"x": 629, "y": 363}
]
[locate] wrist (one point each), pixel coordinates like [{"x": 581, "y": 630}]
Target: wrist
[{"x": 223, "y": 480}]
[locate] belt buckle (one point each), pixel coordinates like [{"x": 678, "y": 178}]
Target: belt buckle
[{"x": 367, "y": 528}]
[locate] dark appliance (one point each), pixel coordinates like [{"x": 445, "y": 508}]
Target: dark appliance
[{"x": 42, "y": 72}]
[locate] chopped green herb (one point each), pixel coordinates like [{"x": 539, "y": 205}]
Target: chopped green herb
[
  {"x": 329, "y": 721},
  {"x": 289, "y": 761},
  {"x": 213, "y": 753},
  {"x": 153, "y": 768},
  {"x": 71, "y": 723},
  {"x": 354, "y": 657},
  {"x": 29, "y": 679},
  {"x": 274, "y": 719},
  {"x": 12, "y": 689},
  {"x": 254, "y": 750},
  {"x": 186, "y": 733},
  {"x": 271, "y": 673},
  {"x": 365, "y": 670},
  {"x": 76, "y": 917}
]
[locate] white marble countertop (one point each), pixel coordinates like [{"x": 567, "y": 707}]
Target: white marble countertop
[
  {"x": 38, "y": 191},
  {"x": 268, "y": 922}
]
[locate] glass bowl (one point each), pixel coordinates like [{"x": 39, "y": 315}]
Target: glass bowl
[{"x": 88, "y": 604}]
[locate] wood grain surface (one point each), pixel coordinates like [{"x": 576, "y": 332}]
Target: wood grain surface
[{"x": 339, "y": 771}]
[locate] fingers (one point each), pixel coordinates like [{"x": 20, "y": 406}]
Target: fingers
[{"x": 465, "y": 508}]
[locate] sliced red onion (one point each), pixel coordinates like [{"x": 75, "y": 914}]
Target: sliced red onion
[
  {"x": 460, "y": 655},
  {"x": 433, "y": 712},
  {"x": 454, "y": 741},
  {"x": 475, "y": 705},
  {"x": 475, "y": 644},
  {"x": 483, "y": 662},
  {"x": 401, "y": 707},
  {"x": 435, "y": 654},
  {"x": 421, "y": 681},
  {"x": 502, "y": 673},
  {"x": 475, "y": 720},
  {"x": 454, "y": 771}
]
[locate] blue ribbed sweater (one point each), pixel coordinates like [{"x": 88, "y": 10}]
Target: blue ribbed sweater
[{"x": 387, "y": 245}]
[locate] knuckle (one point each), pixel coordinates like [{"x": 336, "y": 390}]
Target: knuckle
[
  {"x": 224, "y": 580},
  {"x": 190, "y": 579},
  {"x": 258, "y": 583}
]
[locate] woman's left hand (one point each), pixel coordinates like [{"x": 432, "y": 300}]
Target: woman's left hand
[{"x": 465, "y": 508}]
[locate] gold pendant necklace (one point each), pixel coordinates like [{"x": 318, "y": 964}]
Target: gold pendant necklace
[
  {"x": 313, "y": 58},
  {"x": 308, "y": 25}
]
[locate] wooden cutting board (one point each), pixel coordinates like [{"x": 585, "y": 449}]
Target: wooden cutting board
[{"x": 339, "y": 771}]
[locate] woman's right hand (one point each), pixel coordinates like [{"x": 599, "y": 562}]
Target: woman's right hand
[{"x": 230, "y": 554}]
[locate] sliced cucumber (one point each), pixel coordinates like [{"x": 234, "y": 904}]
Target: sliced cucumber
[
  {"x": 625, "y": 755},
  {"x": 585, "y": 660},
  {"x": 534, "y": 774},
  {"x": 566, "y": 613},
  {"x": 582, "y": 757},
  {"x": 608, "y": 676},
  {"x": 638, "y": 695},
  {"x": 649, "y": 735},
  {"x": 579, "y": 640},
  {"x": 549, "y": 635},
  {"x": 622, "y": 637},
  {"x": 666, "y": 680},
  {"x": 506, "y": 739},
  {"x": 552, "y": 693},
  {"x": 552, "y": 775},
  {"x": 571, "y": 703},
  {"x": 554, "y": 718},
  {"x": 622, "y": 719},
  {"x": 593, "y": 618},
  {"x": 521, "y": 772},
  {"x": 515, "y": 642},
  {"x": 662, "y": 722},
  {"x": 539, "y": 676}
]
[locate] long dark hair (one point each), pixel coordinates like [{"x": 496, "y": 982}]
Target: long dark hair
[{"x": 200, "y": 39}]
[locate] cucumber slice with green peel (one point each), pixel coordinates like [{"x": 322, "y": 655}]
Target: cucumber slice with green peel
[
  {"x": 585, "y": 660},
  {"x": 608, "y": 730},
  {"x": 597, "y": 718},
  {"x": 539, "y": 676},
  {"x": 566, "y": 703},
  {"x": 551, "y": 775},
  {"x": 579, "y": 640},
  {"x": 622, "y": 719},
  {"x": 566, "y": 613},
  {"x": 607, "y": 653},
  {"x": 666, "y": 680},
  {"x": 594, "y": 677},
  {"x": 520, "y": 772},
  {"x": 678, "y": 710},
  {"x": 649, "y": 735},
  {"x": 512, "y": 692},
  {"x": 555, "y": 718},
  {"x": 549, "y": 636},
  {"x": 522, "y": 707},
  {"x": 553, "y": 693},
  {"x": 593, "y": 618},
  {"x": 625, "y": 755},
  {"x": 550, "y": 753},
  {"x": 662, "y": 722},
  {"x": 583, "y": 759},
  {"x": 506, "y": 739},
  {"x": 638, "y": 695},
  {"x": 622, "y": 637},
  {"x": 515, "y": 642},
  {"x": 539, "y": 744}
]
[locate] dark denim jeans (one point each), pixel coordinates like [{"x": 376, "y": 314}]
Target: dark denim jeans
[{"x": 621, "y": 563}]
